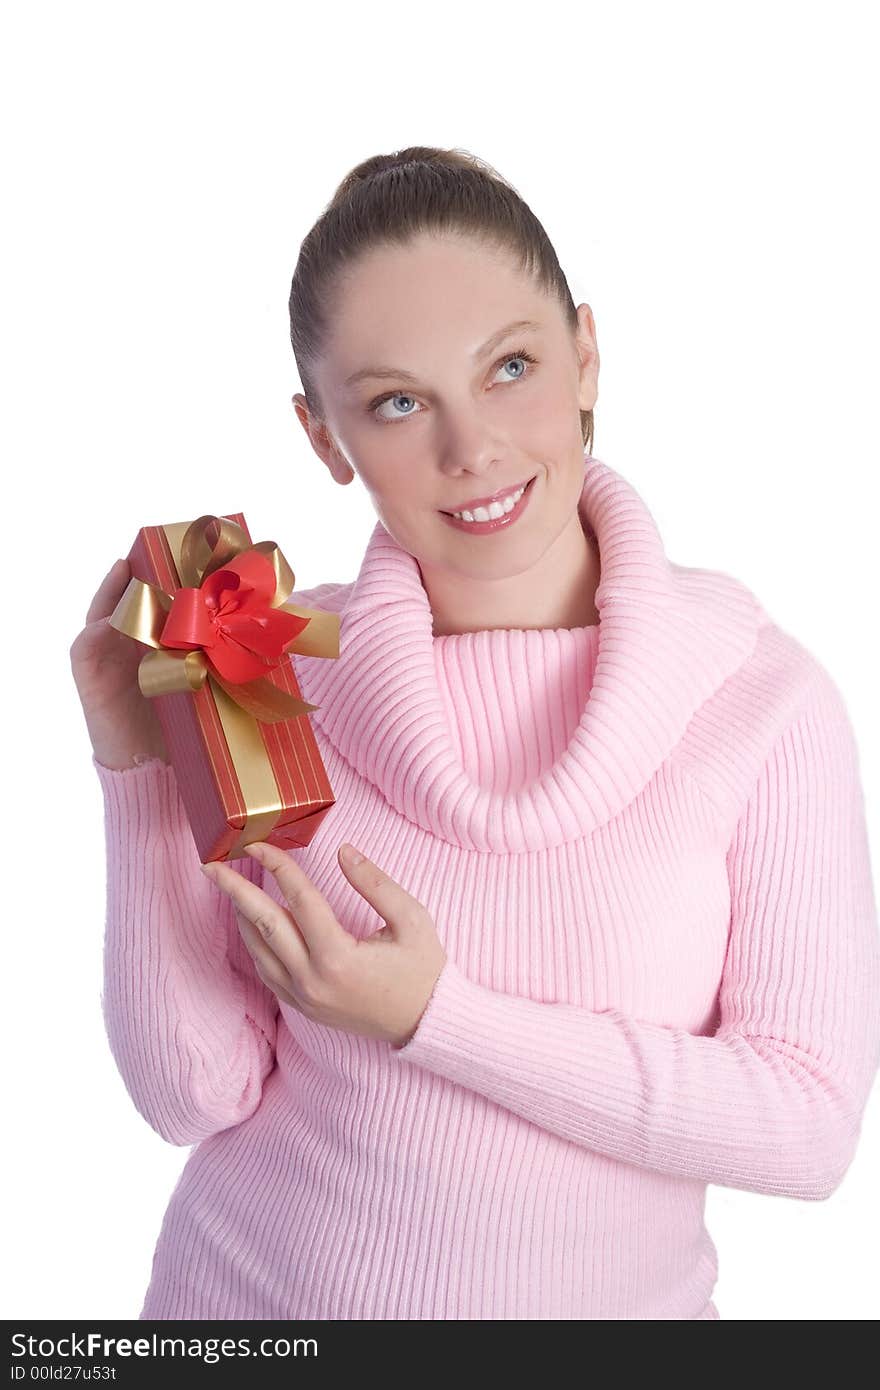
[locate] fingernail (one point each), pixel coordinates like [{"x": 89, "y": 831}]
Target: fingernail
[
  {"x": 351, "y": 855},
  {"x": 255, "y": 851},
  {"x": 208, "y": 869}
]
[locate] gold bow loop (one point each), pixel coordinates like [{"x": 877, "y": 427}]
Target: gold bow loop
[{"x": 199, "y": 548}]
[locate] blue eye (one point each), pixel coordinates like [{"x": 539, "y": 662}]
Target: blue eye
[
  {"x": 404, "y": 396},
  {"x": 394, "y": 396}
]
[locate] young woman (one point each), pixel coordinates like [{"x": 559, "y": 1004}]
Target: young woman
[{"x": 613, "y": 936}]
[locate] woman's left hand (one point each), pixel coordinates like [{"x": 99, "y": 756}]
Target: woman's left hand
[{"x": 377, "y": 987}]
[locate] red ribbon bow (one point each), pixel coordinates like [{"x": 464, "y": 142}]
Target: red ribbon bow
[{"x": 230, "y": 618}]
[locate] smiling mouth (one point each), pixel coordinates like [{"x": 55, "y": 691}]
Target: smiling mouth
[{"x": 499, "y": 497}]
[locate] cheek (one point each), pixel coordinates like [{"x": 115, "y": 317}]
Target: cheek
[
  {"x": 402, "y": 486},
  {"x": 559, "y": 404}
]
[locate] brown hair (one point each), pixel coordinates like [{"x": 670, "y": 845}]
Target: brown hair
[{"x": 391, "y": 198}]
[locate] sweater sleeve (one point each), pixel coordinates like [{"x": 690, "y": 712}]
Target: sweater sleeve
[
  {"x": 190, "y": 1023},
  {"x": 773, "y": 1100}
]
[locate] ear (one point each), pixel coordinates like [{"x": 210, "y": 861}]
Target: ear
[
  {"x": 588, "y": 358},
  {"x": 340, "y": 470}
]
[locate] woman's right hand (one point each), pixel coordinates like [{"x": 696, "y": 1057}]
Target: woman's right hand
[{"x": 123, "y": 726}]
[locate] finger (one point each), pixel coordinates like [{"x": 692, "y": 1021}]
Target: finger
[
  {"x": 268, "y": 966},
  {"x": 273, "y": 924},
  {"x": 391, "y": 901},
  {"x": 110, "y": 591},
  {"x": 311, "y": 911}
]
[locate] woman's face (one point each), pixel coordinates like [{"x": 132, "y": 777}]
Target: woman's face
[{"x": 446, "y": 407}]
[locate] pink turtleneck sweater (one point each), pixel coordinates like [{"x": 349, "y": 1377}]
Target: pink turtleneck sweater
[{"x": 644, "y": 847}]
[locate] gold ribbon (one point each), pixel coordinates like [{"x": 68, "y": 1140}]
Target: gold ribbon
[
  {"x": 198, "y": 548},
  {"x": 143, "y": 608}
]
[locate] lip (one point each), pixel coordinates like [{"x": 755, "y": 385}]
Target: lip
[
  {"x": 498, "y": 523},
  {"x": 493, "y": 497}
]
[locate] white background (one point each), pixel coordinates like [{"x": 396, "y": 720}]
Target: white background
[{"x": 707, "y": 174}]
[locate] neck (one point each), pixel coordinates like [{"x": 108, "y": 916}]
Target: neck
[{"x": 557, "y": 592}]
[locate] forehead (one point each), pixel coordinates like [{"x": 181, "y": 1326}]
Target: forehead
[{"x": 400, "y": 304}]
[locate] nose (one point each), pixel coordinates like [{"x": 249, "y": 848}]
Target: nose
[{"x": 467, "y": 449}]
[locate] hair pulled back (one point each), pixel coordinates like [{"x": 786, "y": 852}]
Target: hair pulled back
[{"x": 389, "y": 199}]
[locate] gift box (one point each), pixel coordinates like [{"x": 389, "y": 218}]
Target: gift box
[{"x": 210, "y": 606}]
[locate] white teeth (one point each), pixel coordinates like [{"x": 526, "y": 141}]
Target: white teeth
[{"x": 495, "y": 509}]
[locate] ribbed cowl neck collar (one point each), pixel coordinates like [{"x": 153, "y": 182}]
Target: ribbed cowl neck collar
[{"x": 668, "y": 637}]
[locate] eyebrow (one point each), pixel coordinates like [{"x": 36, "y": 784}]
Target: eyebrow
[{"x": 398, "y": 374}]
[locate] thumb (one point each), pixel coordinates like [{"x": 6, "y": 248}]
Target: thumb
[{"x": 400, "y": 910}]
